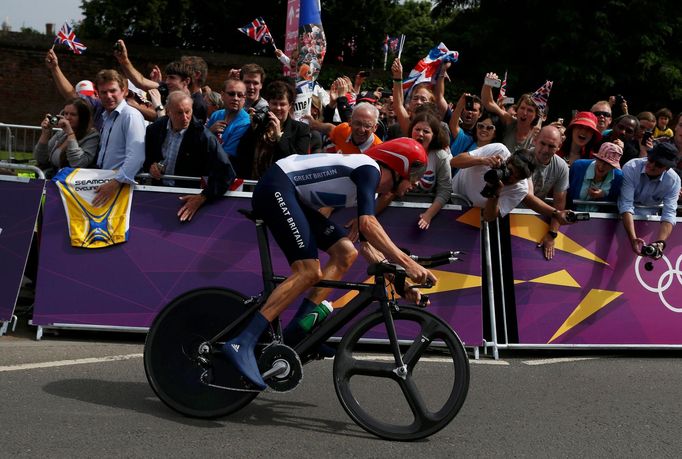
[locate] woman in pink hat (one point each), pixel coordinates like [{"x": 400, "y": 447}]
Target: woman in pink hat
[
  {"x": 582, "y": 138},
  {"x": 597, "y": 179}
]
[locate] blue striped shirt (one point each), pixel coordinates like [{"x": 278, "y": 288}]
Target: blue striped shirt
[{"x": 640, "y": 190}]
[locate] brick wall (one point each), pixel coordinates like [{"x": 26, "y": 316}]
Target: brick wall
[{"x": 27, "y": 91}]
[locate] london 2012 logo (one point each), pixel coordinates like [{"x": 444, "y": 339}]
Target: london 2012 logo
[{"x": 664, "y": 282}]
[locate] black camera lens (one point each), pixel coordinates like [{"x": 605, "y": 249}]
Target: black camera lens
[
  {"x": 649, "y": 250},
  {"x": 54, "y": 119}
]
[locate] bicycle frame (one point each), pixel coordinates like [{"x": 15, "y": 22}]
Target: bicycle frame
[{"x": 367, "y": 294}]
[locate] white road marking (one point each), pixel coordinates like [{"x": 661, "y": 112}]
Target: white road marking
[
  {"x": 558, "y": 360},
  {"x": 388, "y": 358},
  {"x": 62, "y": 363}
]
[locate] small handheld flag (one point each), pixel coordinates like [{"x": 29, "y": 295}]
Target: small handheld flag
[
  {"x": 503, "y": 89},
  {"x": 258, "y": 30},
  {"x": 66, "y": 36},
  {"x": 541, "y": 96}
]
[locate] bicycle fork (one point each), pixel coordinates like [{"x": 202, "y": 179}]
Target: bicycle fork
[{"x": 386, "y": 307}]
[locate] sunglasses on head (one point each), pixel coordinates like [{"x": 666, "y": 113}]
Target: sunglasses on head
[
  {"x": 604, "y": 114},
  {"x": 487, "y": 127}
]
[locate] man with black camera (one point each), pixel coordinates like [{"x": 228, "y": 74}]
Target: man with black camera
[
  {"x": 493, "y": 179},
  {"x": 648, "y": 183}
]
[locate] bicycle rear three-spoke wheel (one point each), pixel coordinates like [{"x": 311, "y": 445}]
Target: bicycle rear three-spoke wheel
[
  {"x": 175, "y": 357},
  {"x": 402, "y": 403}
]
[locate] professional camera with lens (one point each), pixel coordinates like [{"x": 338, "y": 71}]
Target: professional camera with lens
[
  {"x": 651, "y": 251},
  {"x": 260, "y": 116},
  {"x": 492, "y": 178},
  {"x": 54, "y": 119}
]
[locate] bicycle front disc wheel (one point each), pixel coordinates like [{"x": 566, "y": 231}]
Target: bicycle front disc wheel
[
  {"x": 171, "y": 354},
  {"x": 402, "y": 403}
]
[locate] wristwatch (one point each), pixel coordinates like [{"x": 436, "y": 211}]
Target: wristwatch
[
  {"x": 553, "y": 234},
  {"x": 159, "y": 108}
]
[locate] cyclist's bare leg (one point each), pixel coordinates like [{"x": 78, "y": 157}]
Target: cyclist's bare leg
[
  {"x": 305, "y": 274},
  {"x": 342, "y": 255}
]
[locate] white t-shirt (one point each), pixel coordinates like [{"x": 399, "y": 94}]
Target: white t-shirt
[{"x": 469, "y": 181}]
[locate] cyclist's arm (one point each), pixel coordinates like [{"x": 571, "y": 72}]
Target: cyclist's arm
[
  {"x": 372, "y": 256},
  {"x": 372, "y": 230}
]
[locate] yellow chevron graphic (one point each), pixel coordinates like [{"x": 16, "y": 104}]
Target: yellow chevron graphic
[
  {"x": 562, "y": 278},
  {"x": 594, "y": 301},
  {"x": 533, "y": 228}
]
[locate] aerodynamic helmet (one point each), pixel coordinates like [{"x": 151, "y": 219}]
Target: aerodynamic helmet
[{"x": 404, "y": 156}]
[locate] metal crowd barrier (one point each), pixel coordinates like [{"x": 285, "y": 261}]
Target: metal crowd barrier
[{"x": 15, "y": 138}]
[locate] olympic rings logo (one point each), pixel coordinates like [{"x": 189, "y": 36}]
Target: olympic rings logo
[{"x": 664, "y": 281}]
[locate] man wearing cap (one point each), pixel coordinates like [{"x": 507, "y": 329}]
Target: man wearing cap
[
  {"x": 550, "y": 176},
  {"x": 650, "y": 182}
]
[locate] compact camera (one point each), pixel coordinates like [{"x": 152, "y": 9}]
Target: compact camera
[
  {"x": 573, "y": 217},
  {"x": 469, "y": 102},
  {"x": 651, "y": 251},
  {"x": 54, "y": 119},
  {"x": 492, "y": 178},
  {"x": 646, "y": 136}
]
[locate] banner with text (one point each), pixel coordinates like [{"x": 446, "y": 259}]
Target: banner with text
[{"x": 20, "y": 206}]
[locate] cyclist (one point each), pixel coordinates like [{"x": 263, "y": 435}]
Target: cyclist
[{"x": 287, "y": 198}]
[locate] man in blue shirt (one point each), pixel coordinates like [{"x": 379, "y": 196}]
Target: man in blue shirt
[
  {"x": 230, "y": 123},
  {"x": 650, "y": 182},
  {"x": 122, "y": 135}
]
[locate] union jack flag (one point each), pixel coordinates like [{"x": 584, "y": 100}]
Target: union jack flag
[
  {"x": 541, "y": 96},
  {"x": 258, "y": 30},
  {"x": 66, "y": 36},
  {"x": 428, "y": 69}
]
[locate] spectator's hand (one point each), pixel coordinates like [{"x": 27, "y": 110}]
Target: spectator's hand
[
  {"x": 65, "y": 126},
  {"x": 121, "y": 54},
  {"x": 154, "y": 97},
  {"x": 493, "y": 162},
  {"x": 595, "y": 193},
  {"x": 191, "y": 205},
  {"x": 424, "y": 221},
  {"x": 278, "y": 52},
  {"x": 397, "y": 69},
  {"x": 492, "y": 76},
  {"x": 45, "y": 124},
  {"x": 218, "y": 127},
  {"x": 352, "y": 227},
  {"x": 624, "y": 106},
  {"x": 547, "y": 244},
  {"x": 155, "y": 74},
  {"x": 644, "y": 149},
  {"x": 619, "y": 143},
  {"x": 612, "y": 101},
  {"x": 274, "y": 124},
  {"x": 561, "y": 217},
  {"x": 51, "y": 61},
  {"x": 155, "y": 171},
  {"x": 233, "y": 73},
  {"x": 348, "y": 85},
  {"x": 105, "y": 192},
  {"x": 637, "y": 244}
]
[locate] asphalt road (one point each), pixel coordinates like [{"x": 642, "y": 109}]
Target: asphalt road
[{"x": 525, "y": 405}]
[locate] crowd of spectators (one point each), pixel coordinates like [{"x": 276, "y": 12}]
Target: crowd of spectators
[{"x": 170, "y": 124}]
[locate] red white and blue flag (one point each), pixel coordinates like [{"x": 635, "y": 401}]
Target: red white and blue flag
[
  {"x": 428, "y": 69},
  {"x": 66, "y": 36},
  {"x": 541, "y": 96},
  {"x": 258, "y": 30}
]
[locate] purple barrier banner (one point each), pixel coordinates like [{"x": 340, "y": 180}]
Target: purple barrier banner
[
  {"x": 126, "y": 285},
  {"x": 595, "y": 290},
  {"x": 21, "y": 202}
]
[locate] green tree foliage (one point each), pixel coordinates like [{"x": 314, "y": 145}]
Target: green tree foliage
[{"x": 589, "y": 49}]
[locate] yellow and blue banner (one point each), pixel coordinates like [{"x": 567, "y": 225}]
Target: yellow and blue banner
[{"x": 89, "y": 226}]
